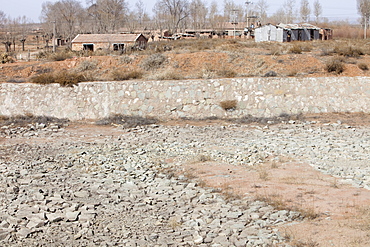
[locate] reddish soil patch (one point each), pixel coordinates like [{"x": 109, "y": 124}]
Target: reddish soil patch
[{"x": 336, "y": 214}]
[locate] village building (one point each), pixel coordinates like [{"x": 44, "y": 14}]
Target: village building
[
  {"x": 115, "y": 42},
  {"x": 291, "y": 32}
]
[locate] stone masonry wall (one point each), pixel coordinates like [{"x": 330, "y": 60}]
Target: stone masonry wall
[{"x": 260, "y": 97}]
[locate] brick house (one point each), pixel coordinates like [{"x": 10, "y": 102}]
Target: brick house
[{"x": 115, "y": 42}]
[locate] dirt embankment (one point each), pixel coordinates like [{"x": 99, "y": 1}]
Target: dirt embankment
[{"x": 206, "y": 59}]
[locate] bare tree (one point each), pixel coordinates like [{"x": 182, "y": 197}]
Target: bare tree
[
  {"x": 173, "y": 11},
  {"x": 261, "y": 7},
  {"x": 305, "y": 11},
  {"x": 317, "y": 10},
  {"x": 198, "y": 12},
  {"x": 4, "y": 32},
  {"x": 363, "y": 7},
  {"x": 137, "y": 18},
  {"x": 3, "y": 18},
  {"x": 23, "y": 29},
  {"x": 108, "y": 15},
  {"x": 141, "y": 13},
  {"x": 278, "y": 17},
  {"x": 232, "y": 11},
  {"x": 289, "y": 6},
  {"x": 66, "y": 15},
  {"x": 214, "y": 16}
]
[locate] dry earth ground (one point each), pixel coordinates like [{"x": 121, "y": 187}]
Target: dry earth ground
[
  {"x": 340, "y": 213},
  {"x": 337, "y": 214},
  {"x": 207, "y": 59}
]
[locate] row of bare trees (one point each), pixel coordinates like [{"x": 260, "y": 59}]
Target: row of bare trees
[
  {"x": 363, "y": 7},
  {"x": 67, "y": 18},
  {"x": 13, "y": 30},
  {"x": 104, "y": 16}
]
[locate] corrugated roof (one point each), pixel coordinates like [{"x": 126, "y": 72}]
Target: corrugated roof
[
  {"x": 297, "y": 26},
  {"x": 112, "y": 38}
]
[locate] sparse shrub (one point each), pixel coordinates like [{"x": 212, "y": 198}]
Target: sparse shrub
[
  {"x": 284, "y": 117},
  {"x": 210, "y": 71},
  {"x": 174, "y": 223},
  {"x": 87, "y": 65},
  {"x": 41, "y": 70},
  {"x": 225, "y": 73},
  {"x": 63, "y": 78},
  {"x": 127, "y": 121},
  {"x": 292, "y": 72},
  {"x": 203, "y": 158},
  {"x": 102, "y": 52},
  {"x": 24, "y": 120},
  {"x": 60, "y": 56},
  {"x": 263, "y": 174},
  {"x": 275, "y": 50},
  {"x": 46, "y": 78},
  {"x": 363, "y": 66},
  {"x": 306, "y": 46},
  {"x": 348, "y": 51},
  {"x": 154, "y": 61},
  {"x": 334, "y": 65},
  {"x": 41, "y": 55},
  {"x": 326, "y": 51},
  {"x": 229, "y": 105},
  {"x": 5, "y": 58},
  {"x": 296, "y": 49},
  {"x": 270, "y": 74},
  {"x": 68, "y": 79},
  {"x": 201, "y": 45},
  {"x": 122, "y": 75},
  {"x": 169, "y": 74},
  {"x": 126, "y": 59},
  {"x": 16, "y": 80}
]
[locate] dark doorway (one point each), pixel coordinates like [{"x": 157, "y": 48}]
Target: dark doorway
[
  {"x": 118, "y": 47},
  {"x": 88, "y": 47}
]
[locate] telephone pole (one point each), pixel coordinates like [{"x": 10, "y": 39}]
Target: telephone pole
[
  {"x": 247, "y": 10},
  {"x": 235, "y": 21},
  {"x": 54, "y": 33}
]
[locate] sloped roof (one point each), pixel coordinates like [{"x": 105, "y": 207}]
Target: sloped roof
[
  {"x": 293, "y": 26},
  {"x": 101, "y": 38},
  {"x": 297, "y": 26}
]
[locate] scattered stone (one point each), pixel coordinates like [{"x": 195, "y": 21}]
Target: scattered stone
[{"x": 114, "y": 192}]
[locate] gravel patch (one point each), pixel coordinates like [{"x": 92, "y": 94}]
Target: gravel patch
[{"x": 119, "y": 191}]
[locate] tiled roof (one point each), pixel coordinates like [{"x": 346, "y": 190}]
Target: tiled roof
[{"x": 101, "y": 38}]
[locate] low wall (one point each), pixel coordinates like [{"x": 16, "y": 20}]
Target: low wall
[{"x": 261, "y": 97}]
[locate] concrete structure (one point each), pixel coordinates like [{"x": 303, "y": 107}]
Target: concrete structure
[
  {"x": 291, "y": 32},
  {"x": 261, "y": 97},
  {"x": 117, "y": 42}
]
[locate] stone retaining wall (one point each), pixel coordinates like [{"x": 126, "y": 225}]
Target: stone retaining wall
[{"x": 260, "y": 97}]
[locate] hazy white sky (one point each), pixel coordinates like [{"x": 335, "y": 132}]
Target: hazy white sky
[{"x": 333, "y": 9}]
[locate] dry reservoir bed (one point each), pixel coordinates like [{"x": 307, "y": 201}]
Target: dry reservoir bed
[{"x": 190, "y": 184}]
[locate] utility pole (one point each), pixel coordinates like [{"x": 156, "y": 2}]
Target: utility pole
[
  {"x": 54, "y": 33},
  {"x": 247, "y": 10},
  {"x": 234, "y": 22},
  {"x": 365, "y": 26}
]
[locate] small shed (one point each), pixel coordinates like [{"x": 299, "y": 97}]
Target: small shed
[
  {"x": 268, "y": 32},
  {"x": 289, "y": 32},
  {"x": 115, "y": 42}
]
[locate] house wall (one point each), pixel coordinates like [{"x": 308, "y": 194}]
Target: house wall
[
  {"x": 268, "y": 33},
  {"x": 279, "y": 35},
  {"x": 98, "y": 45},
  {"x": 316, "y": 34},
  {"x": 142, "y": 41},
  {"x": 261, "y": 97}
]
